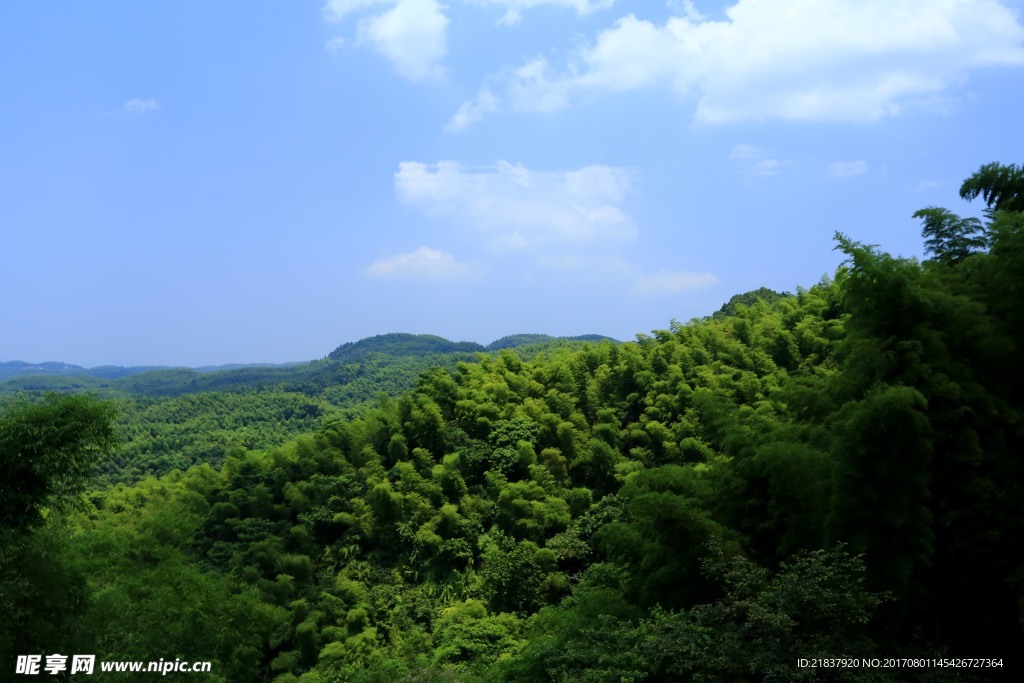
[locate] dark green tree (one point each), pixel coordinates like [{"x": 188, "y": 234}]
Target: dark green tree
[
  {"x": 47, "y": 451},
  {"x": 815, "y": 605},
  {"x": 950, "y": 238},
  {"x": 881, "y": 508},
  {"x": 1000, "y": 185}
]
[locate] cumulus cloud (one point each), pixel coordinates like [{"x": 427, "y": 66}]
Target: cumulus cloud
[
  {"x": 424, "y": 263},
  {"x": 673, "y": 282},
  {"x": 846, "y": 169},
  {"x": 793, "y": 60},
  {"x": 141, "y": 106},
  {"x": 412, "y": 34},
  {"x": 517, "y": 208}
]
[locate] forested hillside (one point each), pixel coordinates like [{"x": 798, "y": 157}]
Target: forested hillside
[
  {"x": 178, "y": 417},
  {"x": 833, "y": 473}
]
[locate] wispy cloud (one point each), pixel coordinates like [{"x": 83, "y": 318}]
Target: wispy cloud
[
  {"x": 473, "y": 110},
  {"x": 744, "y": 151},
  {"x": 336, "y": 10},
  {"x": 766, "y": 167},
  {"x": 139, "y": 106},
  {"x": 755, "y": 161},
  {"x": 335, "y": 43},
  {"x": 424, "y": 264},
  {"x": 846, "y": 169},
  {"x": 673, "y": 282},
  {"x": 515, "y": 208},
  {"x": 792, "y": 60},
  {"x": 587, "y": 266},
  {"x": 514, "y": 8},
  {"x": 531, "y": 87}
]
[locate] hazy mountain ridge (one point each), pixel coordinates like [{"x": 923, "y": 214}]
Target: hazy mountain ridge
[
  {"x": 392, "y": 344},
  {"x": 406, "y": 344},
  {"x": 16, "y": 368}
]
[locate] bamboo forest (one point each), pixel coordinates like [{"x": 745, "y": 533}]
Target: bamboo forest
[{"x": 792, "y": 483}]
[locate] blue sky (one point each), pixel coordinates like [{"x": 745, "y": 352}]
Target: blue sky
[{"x": 191, "y": 183}]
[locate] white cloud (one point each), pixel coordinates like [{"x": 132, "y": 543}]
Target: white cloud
[
  {"x": 474, "y": 110},
  {"x": 528, "y": 88},
  {"x": 510, "y": 18},
  {"x": 794, "y": 60},
  {"x": 531, "y": 89},
  {"x": 412, "y": 34},
  {"x": 846, "y": 169},
  {"x": 516, "y": 208},
  {"x": 424, "y": 263},
  {"x": 141, "y": 106},
  {"x": 672, "y": 282}
]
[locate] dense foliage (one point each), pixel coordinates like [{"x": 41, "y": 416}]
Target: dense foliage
[{"x": 830, "y": 473}]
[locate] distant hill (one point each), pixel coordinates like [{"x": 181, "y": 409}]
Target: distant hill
[
  {"x": 400, "y": 344},
  {"x": 18, "y": 368},
  {"x": 386, "y": 362},
  {"x": 404, "y": 344},
  {"x": 516, "y": 340}
]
